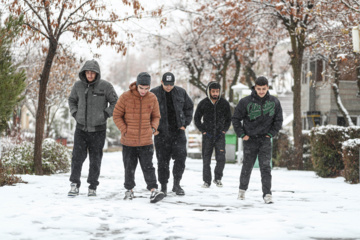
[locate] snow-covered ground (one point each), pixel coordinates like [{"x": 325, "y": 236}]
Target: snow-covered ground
[{"x": 306, "y": 207}]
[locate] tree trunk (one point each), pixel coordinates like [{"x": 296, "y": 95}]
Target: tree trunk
[
  {"x": 296, "y": 63},
  {"x": 40, "y": 114},
  {"x": 335, "y": 88},
  {"x": 250, "y": 75},
  {"x": 235, "y": 78}
]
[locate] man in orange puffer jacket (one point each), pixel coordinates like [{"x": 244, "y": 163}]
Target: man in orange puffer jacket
[{"x": 137, "y": 116}]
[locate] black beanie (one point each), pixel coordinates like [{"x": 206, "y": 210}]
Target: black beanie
[{"x": 143, "y": 79}]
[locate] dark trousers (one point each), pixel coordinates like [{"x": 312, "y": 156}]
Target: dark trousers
[
  {"x": 167, "y": 147},
  {"x": 84, "y": 142},
  {"x": 143, "y": 154},
  {"x": 261, "y": 148},
  {"x": 208, "y": 144}
]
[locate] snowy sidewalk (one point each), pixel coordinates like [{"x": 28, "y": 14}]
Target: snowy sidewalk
[{"x": 306, "y": 207}]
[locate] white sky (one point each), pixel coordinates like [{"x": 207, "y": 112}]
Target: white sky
[{"x": 306, "y": 207}]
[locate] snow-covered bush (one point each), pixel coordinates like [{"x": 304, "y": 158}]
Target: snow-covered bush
[
  {"x": 55, "y": 158},
  {"x": 326, "y": 151},
  {"x": 283, "y": 152},
  {"x": 351, "y": 159},
  {"x": 6, "y": 178}
]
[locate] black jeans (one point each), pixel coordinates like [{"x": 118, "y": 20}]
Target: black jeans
[
  {"x": 210, "y": 142},
  {"x": 167, "y": 147},
  {"x": 257, "y": 147},
  {"x": 84, "y": 142},
  {"x": 143, "y": 154}
]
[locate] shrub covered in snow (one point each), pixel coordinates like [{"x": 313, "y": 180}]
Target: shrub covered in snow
[
  {"x": 351, "y": 159},
  {"x": 326, "y": 151},
  {"x": 19, "y": 159},
  {"x": 7, "y": 178},
  {"x": 283, "y": 152}
]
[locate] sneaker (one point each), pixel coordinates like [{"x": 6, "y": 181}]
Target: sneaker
[
  {"x": 92, "y": 193},
  {"x": 156, "y": 196},
  {"x": 74, "y": 191},
  {"x": 129, "y": 195},
  {"x": 268, "y": 199},
  {"x": 241, "y": 195},
  {"x": 205, "y": 185},
  {"x": 218, "y": 183},
  {"x": 178, "y": 190}
]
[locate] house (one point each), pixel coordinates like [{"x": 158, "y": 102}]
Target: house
[{"x": 318, "y": 103}]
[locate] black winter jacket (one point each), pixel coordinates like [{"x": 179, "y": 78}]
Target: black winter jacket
[
  {"x": 92, "y": 103},
  {"x": 183, "y": 105},
  {"x": 213, "y": 118},
  {"x": 260, "y": 116}
]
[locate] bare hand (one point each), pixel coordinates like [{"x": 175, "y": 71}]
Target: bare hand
[
  {"x": 204, "y": 133},
  {"x": 246, "y": 137},
  {"x": 156, "y": 132},
  {"x": 182, "y": 128}
]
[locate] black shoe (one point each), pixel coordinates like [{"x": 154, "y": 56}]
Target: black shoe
[
  {"x": 156, "y": 196},
  {"x": 178, "y": 190},
  {"x": 164, "y": 189}
]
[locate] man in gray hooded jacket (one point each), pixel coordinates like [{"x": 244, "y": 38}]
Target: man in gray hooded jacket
[{"x": 91, "y": 101}]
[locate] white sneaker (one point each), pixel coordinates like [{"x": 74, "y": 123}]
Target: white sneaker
[
  {"x": 241, "y": 195},
  {"x": 268, "y": 199},
  {"x": 205, "y": 185},
  {"x": 129, "y": 195},
  {"x": 74, "y": 191},
  {"x": 92, "y": 193},
  {"x": 156, "y": 196},
  {"x": 218, "y": 183}
]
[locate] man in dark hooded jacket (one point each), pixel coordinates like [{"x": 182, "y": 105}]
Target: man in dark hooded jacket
[
  {"x": 91, "y": 102},
  {"x": 213, "y": 119},
  {"x": 176, "y": 109},
  {"x": 257, "y": 118}
]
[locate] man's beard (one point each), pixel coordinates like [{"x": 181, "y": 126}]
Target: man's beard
[{"x": 215, "y": 98}]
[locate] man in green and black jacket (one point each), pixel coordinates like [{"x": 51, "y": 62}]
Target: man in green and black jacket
[
  {"x": 257, "y": 118},
  {"x": 91, "y": 101}
]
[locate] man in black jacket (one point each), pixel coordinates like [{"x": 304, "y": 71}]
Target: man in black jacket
[
  {"x": 176, "y": 110},
  {"x": 213, "y": 119},
  {"x": 257, "y": 118},
  {"x": 91, "y": 101}
]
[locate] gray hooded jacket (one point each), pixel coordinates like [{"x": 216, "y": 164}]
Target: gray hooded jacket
[{"x": 92, "y": 103}]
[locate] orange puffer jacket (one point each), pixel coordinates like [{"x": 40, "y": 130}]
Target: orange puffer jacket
[{"x": 135, "y": 116}]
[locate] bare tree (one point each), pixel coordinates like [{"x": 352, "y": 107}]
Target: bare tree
[{"x": 47, "y": 21}]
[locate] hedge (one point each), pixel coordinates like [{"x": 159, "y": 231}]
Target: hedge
[
  {"x": 351, "y": 160},
  {"x": 326, "y": 148}
]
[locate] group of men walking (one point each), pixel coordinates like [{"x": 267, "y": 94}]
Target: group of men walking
[{"x": 165, "y": 111}]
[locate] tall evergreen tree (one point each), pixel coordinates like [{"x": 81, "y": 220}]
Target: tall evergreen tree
[{"x": 12, "y": 82}]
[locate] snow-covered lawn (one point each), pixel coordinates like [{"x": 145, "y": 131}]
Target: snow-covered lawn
[{"x": 306, "y": 207}]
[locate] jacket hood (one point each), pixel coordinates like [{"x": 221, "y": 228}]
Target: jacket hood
[
  {"x": 133, "y": 89},
  {"x": 90, "y": 65},
  {"x": 208, "y": 89}
]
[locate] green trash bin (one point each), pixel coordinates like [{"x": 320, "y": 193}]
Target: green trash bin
[
  {"x": 256, "y": 165},
  {"x": 230, "y": 147}
]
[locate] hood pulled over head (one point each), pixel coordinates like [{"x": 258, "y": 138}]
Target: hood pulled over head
[
  {"x": 213, "y": 85},
  {"x": 90, "y": 65}
]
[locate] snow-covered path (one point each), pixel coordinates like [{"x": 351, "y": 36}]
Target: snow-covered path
[{"x": 306, "y": 207}]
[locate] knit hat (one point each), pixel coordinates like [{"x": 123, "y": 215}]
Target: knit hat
[
  {"x": 143, "y": 79},
  {"x": 168, "y": 79}
]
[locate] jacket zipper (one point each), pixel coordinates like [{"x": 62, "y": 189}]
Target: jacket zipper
[
  {"x": 140, "y": 119},
  {"x": 86, "y": 105},
  {"x": 215, "y": 120}
]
